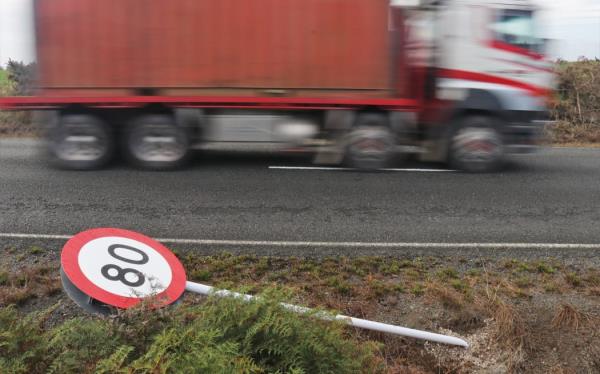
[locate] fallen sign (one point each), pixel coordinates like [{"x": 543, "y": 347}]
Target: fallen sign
[{"x": 108, "y": 268}]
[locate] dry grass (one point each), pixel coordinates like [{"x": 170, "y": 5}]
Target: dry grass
[
  {"x": 567, "y": 316},
  {"x": 32, "y": 282},
  {"x": 575, "y": 135},
  {"x": 561, "y": 370},
  {"x": 448, "y": 297},
  {"x": 510, "y": 327}
]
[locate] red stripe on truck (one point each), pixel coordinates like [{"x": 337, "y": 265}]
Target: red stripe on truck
[{"x": 488, "y": 78}]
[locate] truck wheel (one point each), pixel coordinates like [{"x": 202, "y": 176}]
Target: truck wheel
[
  {"x": 81, "y": 142},
  {"x": 155, "y": 142},
  {"x": 370, "y": 144},
  {"x": 476, "y": 146}
]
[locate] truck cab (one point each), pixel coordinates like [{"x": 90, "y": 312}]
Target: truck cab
[{"x": 485, "y": 76}]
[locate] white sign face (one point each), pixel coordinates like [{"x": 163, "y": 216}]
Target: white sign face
[{"x": 124, "y": 267}]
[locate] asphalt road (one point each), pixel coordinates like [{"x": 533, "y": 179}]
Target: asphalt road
[{"x": 550, "y": 197}]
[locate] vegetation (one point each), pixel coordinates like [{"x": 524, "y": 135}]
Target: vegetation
[
  {"x": 17, "y": 79},
  {"x": 518, "y": 315},
  {"x": 3, "y": 78},
  {"x": 217, "y": 336},
  {"x": 576, "y": 106}
]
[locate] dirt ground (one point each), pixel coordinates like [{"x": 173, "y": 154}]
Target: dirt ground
[{"x": 533, "y": 316}]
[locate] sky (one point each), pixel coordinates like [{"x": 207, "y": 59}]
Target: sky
[{"x": 573, "y": 24}]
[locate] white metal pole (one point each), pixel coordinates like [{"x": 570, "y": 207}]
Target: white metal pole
[{"x": 356, "y": 322}]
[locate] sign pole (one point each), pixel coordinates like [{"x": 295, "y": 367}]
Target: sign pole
[{"x": 355, "y": 322}]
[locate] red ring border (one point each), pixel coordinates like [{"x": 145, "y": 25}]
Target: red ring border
[{"x": 70, "y": 264}]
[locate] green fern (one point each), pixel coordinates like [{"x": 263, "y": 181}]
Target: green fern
[
  {"x": 81, "y": 343},
  {"x": 115, "y": 363},
  {"x": 22, "y": 344},
  {"x": 221, "y": 335}
]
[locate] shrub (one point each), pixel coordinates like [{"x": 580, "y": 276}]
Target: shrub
[
  {"x": 22, "y": 343},
  {"x": 576, "y": 107},
  {"x": 21, "y": 77},
  {"x": 221, "y": 335}
]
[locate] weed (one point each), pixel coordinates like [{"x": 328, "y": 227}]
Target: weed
[
  {"x": 340, "y": 285},
  {"x": 447, "y": 273},
  {"x": 524, "y": 267},
  {"x": 551, "y": 287},
  {"x": 35, "y": 250},
  {"x": 412, "y": 274},
  {"x": 418, "y": 289},
  {"x": 399, "y": 288},
  {"x": 474, "y": 272},
  {"x": 459, "y": 285},
  {"x": 447, "y": 296},
  {"x": 379, "y": 288},
  {"x": 573, "y": 279},
  {"x": 391, "y": 268},
  {"x": 523, "y": 281},
  {"x": 510, "y": 264},
  {"x": 264, "y": 264},
  {"x": 277, "y": 276},
  {"x": 543, "y": 267},
  {"x": 201, "y": 275}
]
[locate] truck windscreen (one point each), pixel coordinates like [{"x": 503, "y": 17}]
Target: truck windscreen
[{"x": 517, "y": 28}]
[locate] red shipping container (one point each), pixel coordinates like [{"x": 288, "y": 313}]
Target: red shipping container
[{"x": 335, "y": 48}]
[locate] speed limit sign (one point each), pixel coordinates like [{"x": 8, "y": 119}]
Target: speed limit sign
[
  {"x": 120, "y": 268},
  {"x": 104, "y": 268}
]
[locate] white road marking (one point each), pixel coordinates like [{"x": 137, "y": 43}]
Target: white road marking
[
  {"x": 351, "y": 169},
  {"x": 266, "y": 243}
]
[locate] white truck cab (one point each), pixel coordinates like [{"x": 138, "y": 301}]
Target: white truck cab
[{"x": 485, "y": 72}]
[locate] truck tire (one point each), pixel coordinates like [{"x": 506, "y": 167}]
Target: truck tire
[
  {"x": 155, "y": 142},
  {"x": 476, "y": 145},
  {"x": 80, "y": 142},
  {"x": 370, "y": 144}
]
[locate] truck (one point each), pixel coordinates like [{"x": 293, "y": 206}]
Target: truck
[{"x": 355, "y": 82}]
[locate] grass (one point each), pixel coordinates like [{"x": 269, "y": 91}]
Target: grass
[
  {"x": 427, "y": 293},
  {"x": 568, "y": 316}
]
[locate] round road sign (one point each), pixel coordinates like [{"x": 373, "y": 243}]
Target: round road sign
[{"x": 120, "y": 268}]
